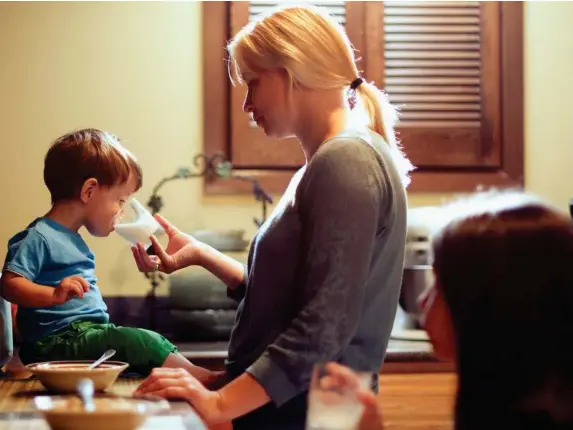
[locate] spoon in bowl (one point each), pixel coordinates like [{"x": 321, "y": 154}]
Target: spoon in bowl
[{"x": 108, "y": 354}]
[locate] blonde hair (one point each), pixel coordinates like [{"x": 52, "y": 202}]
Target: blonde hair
[{"x": 316, "y": 53}]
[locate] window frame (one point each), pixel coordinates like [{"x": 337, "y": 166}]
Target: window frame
[{"x": 217, "y": 109}]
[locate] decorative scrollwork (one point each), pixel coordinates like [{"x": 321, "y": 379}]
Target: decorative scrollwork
[
  {"x": 215, "y": 165},
  {"x": 205, "y": 165}
]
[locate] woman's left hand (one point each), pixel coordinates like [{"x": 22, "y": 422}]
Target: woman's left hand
[{"x": 177, "y": 383}]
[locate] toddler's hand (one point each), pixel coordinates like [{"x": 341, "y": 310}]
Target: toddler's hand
[{"x": 68, "y": 288}]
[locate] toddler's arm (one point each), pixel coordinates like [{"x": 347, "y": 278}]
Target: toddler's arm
[{"x": 23, "y": 292}]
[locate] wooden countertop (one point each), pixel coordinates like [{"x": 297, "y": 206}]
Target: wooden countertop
[
  {"x": 17, "y": 411},
  {"x": 407, "y": 401}
]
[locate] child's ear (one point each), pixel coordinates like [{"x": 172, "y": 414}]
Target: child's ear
[{"x": 88, "y": 189}]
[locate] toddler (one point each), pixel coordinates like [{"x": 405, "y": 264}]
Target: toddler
[{"x": 49, "y": 270}]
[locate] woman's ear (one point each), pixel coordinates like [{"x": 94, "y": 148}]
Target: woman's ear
[{"x": 89, "y": 187}]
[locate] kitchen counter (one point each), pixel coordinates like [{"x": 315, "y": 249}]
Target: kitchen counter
[
  {"x": 398, "y": 350},
  {"x": 401, "y": 355}
]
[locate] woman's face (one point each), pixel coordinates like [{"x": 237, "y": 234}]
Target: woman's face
[
  {"x": 267, "y": 100},
  {"x": 437, "y": 322}
]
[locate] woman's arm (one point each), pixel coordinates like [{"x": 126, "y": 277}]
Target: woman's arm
[
  {"x": 236, "y": 399},
  {"x": 183, "y": 251},
  {"x": 227, "y": 269}
]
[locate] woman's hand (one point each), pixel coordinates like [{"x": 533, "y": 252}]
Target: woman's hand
[
  {"x": 372, "y": 416},
  {"x": 182, "y": 251},
  {"x": 178, "y": 383}
]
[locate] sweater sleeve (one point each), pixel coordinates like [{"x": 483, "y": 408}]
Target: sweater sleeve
[
  {"x": 240, "y": 290},
  {"x": 339, "y": 204}
]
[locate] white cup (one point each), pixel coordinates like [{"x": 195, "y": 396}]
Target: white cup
[
  {"x": 136, "y": 224},
  {"x": 333, "y": 402}
]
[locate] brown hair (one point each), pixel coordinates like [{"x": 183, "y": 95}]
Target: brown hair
[
  {"x": 503, "y": 266},
  {"x": 88, "y": 153}
]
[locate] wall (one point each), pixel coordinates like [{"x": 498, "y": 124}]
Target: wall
[
  {"x": 549, "y": 100},
  {"x": 135, "y": 69}
]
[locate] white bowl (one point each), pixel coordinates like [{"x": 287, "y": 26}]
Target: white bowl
[
  {"x": 63, "y": 376},
  {"x": 110, "y": 413}
]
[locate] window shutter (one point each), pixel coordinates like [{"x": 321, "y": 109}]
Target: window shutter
[
  {"x": 439, "y": 62},
  {"x": 335, "y": 8},
  {"x": 441, "y": 66},
  {"x": 250, "y": 148},
  {"x": 460, "y": 134}
]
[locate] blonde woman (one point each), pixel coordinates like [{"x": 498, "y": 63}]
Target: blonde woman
[{"x": 324, "y": 272}]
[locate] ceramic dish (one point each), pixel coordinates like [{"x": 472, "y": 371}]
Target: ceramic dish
[{"x": 63, "y": 376}]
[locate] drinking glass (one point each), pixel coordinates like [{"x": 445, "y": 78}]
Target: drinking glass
[
  {"x": 136, "y": 224},
  {"x": 333, "y": 402}
]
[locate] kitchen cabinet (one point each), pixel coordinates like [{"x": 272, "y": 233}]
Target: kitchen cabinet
[{"x": 416, "y": 401}]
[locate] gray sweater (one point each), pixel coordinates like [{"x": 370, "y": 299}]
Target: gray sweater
[{"x": 324, "y": 271}]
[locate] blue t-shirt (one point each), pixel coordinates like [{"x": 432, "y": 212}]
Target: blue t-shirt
[{"x": 45, "y": 253}]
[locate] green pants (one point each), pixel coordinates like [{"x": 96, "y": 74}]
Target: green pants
[{"x": 84, "y": 340}]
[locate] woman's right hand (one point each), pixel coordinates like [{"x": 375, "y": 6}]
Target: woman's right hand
[
  {"x": 182, "y": 251},
  {"x": 372, "y": 416}
]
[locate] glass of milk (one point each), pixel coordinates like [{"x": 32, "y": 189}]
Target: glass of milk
[
  {"x": 136, "y": 224},
  {"x": 333, "y": 402}
]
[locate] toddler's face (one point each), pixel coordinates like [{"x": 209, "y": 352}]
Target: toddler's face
[{"x": 104, "y": 207}]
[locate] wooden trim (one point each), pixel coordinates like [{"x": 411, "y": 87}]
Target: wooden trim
[
  {"x": 216, "y": 113},
  {"x": 216, "y": 87},
  {"x": 374, "y": 42},
  {"x": 240, "y": 126},
  {"x": 355, "y": 30},
  {"x": 442, "y": 147},
  {"x": 490, "y": 148},
  {"x": 274, "y": 182},
  {"x": 460, "y": 181},
  {"x": 512, "y": 89},
  {"x": 417, "y": 367},
  {"x": 423, "y": 181}
]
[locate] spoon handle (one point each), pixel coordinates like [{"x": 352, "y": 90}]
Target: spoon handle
[{"x": 108, "y": 354}]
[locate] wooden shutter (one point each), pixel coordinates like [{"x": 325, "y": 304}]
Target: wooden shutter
[
  {"x": 440, "y": 63},
  {"x": 335, "y": 8},
  {"x": 453, "y": 153},
  {"x": 250, "y": 148}
]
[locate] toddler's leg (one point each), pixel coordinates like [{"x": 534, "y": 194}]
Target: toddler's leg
[{"x": 144, "y": 350}]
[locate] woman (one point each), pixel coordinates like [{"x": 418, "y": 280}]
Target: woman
[
  {"x": 502, "y": 309},
  {"x": 324, "y": 271}
]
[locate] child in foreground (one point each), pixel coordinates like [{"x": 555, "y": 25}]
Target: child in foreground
[{"x": 49, "y": 270}]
